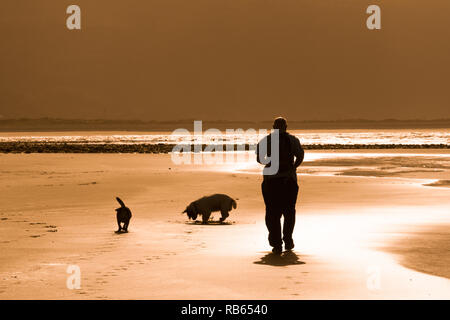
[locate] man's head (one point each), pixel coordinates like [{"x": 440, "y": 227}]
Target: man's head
[{"x": 280, "y": 123}]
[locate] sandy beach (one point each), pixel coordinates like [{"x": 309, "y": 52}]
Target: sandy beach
[
  {"x": 370, "y": 225},
  {"x": 102, "y": 101}
]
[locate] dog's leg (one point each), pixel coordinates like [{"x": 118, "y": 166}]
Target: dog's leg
[
  {"x": 125, "y": 226},
  {"x": 205, "y": 217},
  {"x": 225, "y": 215},
  {"x": 118, "y": 223}
]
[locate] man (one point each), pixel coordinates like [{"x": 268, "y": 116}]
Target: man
[{"x": 279, "y": 187}]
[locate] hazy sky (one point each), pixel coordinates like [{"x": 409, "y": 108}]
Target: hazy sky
[{"x": 225, "y": 59}]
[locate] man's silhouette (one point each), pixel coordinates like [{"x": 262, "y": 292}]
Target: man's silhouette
[{"x": 280, "y": 188}]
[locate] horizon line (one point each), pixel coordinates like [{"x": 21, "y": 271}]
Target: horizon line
[{"x": 4, "y": 119}]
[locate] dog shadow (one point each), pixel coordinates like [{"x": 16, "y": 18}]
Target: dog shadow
[
  {"x": 287, "y": 258},
  {"x": 120, "y": 232},
  {"x": 210, "y": 223}
]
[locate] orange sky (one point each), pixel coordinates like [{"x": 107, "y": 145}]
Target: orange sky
[{"x": 225, "y": 59}]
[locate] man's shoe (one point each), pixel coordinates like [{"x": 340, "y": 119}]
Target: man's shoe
[
  {"x": 277, "y": 250},
  {"x": 289, "y": 245}
]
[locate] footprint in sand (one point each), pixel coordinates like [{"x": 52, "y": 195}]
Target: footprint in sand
[
  {"x": 87, "y": 183},
  {"x": 101, "y": 281}
]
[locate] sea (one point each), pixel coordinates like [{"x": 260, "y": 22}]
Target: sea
[{"x": 394, "y": 137}]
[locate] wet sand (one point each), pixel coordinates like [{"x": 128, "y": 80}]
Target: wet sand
[{"x": 357, "y": 236}]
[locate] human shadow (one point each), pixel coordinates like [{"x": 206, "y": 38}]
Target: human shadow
[{"x": 287, "y": 258}]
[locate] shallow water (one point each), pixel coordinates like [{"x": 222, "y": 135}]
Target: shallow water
[{"x": 307, "y": 137}]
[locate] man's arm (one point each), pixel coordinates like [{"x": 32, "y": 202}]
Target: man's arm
[{"x": 299, "y": 153}]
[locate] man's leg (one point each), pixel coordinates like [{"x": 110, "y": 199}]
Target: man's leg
[
  {"x": 273, "y": 213},
  {"x": 273, "y": 224},
  {"x": 289, "y": 214}
]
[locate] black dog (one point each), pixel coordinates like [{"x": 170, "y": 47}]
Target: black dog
[
  {"x": 123, "y": 216},
  {"x": 206, "y": 205}
]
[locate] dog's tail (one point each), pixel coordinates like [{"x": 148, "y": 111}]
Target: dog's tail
[
  {"x": 120, "y": 202},
  {"x": 234, "y": 204}
]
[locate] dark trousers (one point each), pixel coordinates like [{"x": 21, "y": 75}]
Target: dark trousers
[{"x": 280, "y": 196}]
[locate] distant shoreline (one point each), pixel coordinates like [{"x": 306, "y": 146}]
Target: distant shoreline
[
  {"x": 68, "y": 125},
  {"x": 58, "y": 147}
]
